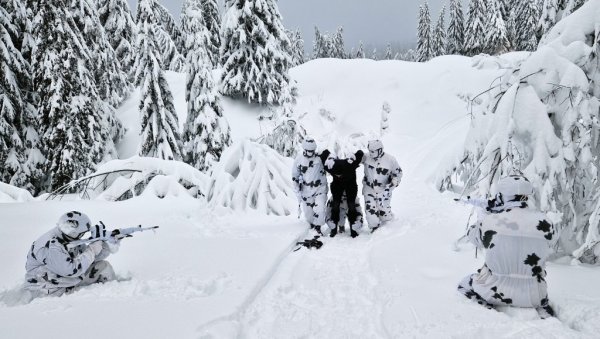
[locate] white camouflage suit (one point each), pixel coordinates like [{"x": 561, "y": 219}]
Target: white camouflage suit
[
  {"x": 310, "y": 183},
  {"x": 53, "y": 269},
  {"x": 358, "y": 224},
  {"x": 382, "y": 175},
  {"x": 517, "y": 242}
]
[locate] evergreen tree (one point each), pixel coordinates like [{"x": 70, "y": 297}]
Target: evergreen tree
[
  {"x": 254, "y": 52},
  {"x": 374, "y": 54},
  {"x": 549, "y": 17},
  {"x": 296, "y": 47},
  {"x": 160, "y": 134},
  {"x": 70, "y": 109},
  {"x": 388, "y": 52},
  {"x": 424, "y": 43},
  {"x": 168, "y": 24},
  {"x": 212, "y": 21},
  {"x": 19, "y": 154},
  {"x": 120, "y": 29},
  {"x": 475, "y": 29},
  {"x": 206, "y": 132},
  {"x": 338, "y": 50},
  {"x": 360, "y": 54},
  {"x": 456, "y": 29},
  {"x": 572, "y": 5},
  {"x": 195, "y": 35},
  {"x": 527, "y": 19},
  {"x": 496, "y": 34},
  {"x": 439, "y": 35},
  {"x": 111, "y": 80},
  {"x": 168, "y": 36}
]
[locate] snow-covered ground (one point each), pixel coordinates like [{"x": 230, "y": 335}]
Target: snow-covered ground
[{"x": 214, "y": 273}]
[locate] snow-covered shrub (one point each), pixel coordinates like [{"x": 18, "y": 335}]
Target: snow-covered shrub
[
  {"x": 543, "y": 121},
  {"x": 253, "y": 176},
  {"x": 124, "y": 179},
  {"x": 9, "y": 193}
]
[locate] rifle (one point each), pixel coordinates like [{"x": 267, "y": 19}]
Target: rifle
[
  {"x": 481, "y": 203},
  {"x": 115, "y": 235},
  {"x": 309, "y": 243}
]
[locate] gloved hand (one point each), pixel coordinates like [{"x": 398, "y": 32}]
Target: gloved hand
[
  {"x": 96, "y": 247},
  {"x": 112, "y": 246},
  {"x": 351, "y": 159},
  {"x": 330, "y": 162},
  {"x": 395, "y": 183},
  {"x": 99, "y": 230}
]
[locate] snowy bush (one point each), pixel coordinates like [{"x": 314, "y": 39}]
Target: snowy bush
[
  {"x": 124, "y": 179},
  {"x": 253, "y": 176},
  {"x": 9, "y": 193},
  {"x": 542, "y": 120}
]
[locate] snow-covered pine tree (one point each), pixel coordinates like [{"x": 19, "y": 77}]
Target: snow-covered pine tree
[
  {"x": 572, "y": 5},
  {"x": 254, "y": 52},
  {"x": 296, "y": 47},
  {"x": 456, "y": 29},
  {"x": 115, "y": 17},
  {"x": 111, "y": 80},
  {"x": 195, "y": 35},
  {"x": 318, "y": 48},
  {"x": 20, "y": 158},
  {"x": 360, "y": 53},
  {"x": 475, "y": 29},
  {"x": 506, "y": 7},
  {"x": 550, "y": 9},
  {"x": 160, "y": 129},
  {"x": 389, "y": 54},
  {"x": 424, "y": 43},
  {"x": 374, "y": 54},
  {"x": 70, "y": 108},
  {"x": 527, "y": 19},
  {"x": 439, "y": 35},
  {"x": 212, "y": 21},
  {"x": 496, "y": 35},
  {"x": 206, "y": 131},
  {"x": 338, "y": 49},
  {"x": 168, "y": 37}
]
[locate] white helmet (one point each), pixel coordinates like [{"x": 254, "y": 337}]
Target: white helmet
[
  {"x": 375, "y": 148},
  {"x": 309, "y": 144},
  {"x": 514, "y": 185},
  {"x": 74, "y": 224}
]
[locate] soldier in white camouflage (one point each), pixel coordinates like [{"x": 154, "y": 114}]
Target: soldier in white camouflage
[
  {"x": 310, "y": 183},
  {"x": 382, "y": 176},
  {"x": 54, "y": 268}
]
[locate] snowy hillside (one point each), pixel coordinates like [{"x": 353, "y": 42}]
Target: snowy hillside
[{"x": 210, "y": 272}]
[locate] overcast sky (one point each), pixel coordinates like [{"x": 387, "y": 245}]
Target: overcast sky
[{"x": 376, "y": 22}]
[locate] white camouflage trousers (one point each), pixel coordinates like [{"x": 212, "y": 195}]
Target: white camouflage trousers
[
  {"x": 314, "y": 209},
  {"x": 377, "y": 206}
]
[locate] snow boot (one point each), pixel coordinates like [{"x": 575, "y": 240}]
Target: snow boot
[
  {"x": 342, "y": 229},
  {"x": 333, "y": 232},
  {"x": 316, "y": 228},
  {"x": 374, "y": 229},
  {"x": 353, "y": 233}
]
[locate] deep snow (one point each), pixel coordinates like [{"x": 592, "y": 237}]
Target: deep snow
[{"x": 223, "y": 274}]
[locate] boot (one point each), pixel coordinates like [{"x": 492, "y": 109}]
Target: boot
[
  {"x": 333, "y": 232},
  {"x": 374, "y": 229},
  {"x": 353, "y": 233},
  {"x": 316, "y": 228}
]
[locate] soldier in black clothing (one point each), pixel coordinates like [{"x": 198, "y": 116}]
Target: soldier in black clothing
[{"x": 343, "y": 172}]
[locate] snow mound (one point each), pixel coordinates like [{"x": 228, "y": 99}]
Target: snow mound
[
  {"x": 119, "y": 180},
  {"x": 253, "y": 176},
  {"x": 9, "y": 193}
]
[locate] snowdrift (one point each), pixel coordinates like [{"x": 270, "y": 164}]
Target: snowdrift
[
  {"x": 9, "y": 193},
  {"x": 253, "y": 176}
]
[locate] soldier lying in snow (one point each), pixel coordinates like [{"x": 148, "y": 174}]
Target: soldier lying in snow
[
  {"x": 53, "y": 267},
  {"x": 517, "y": 240}
]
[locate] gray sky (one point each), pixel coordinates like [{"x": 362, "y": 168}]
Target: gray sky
[{"x": 376, "y": 22}]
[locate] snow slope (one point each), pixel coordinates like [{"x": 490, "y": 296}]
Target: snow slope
[{"x": 212, "y": 273}]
